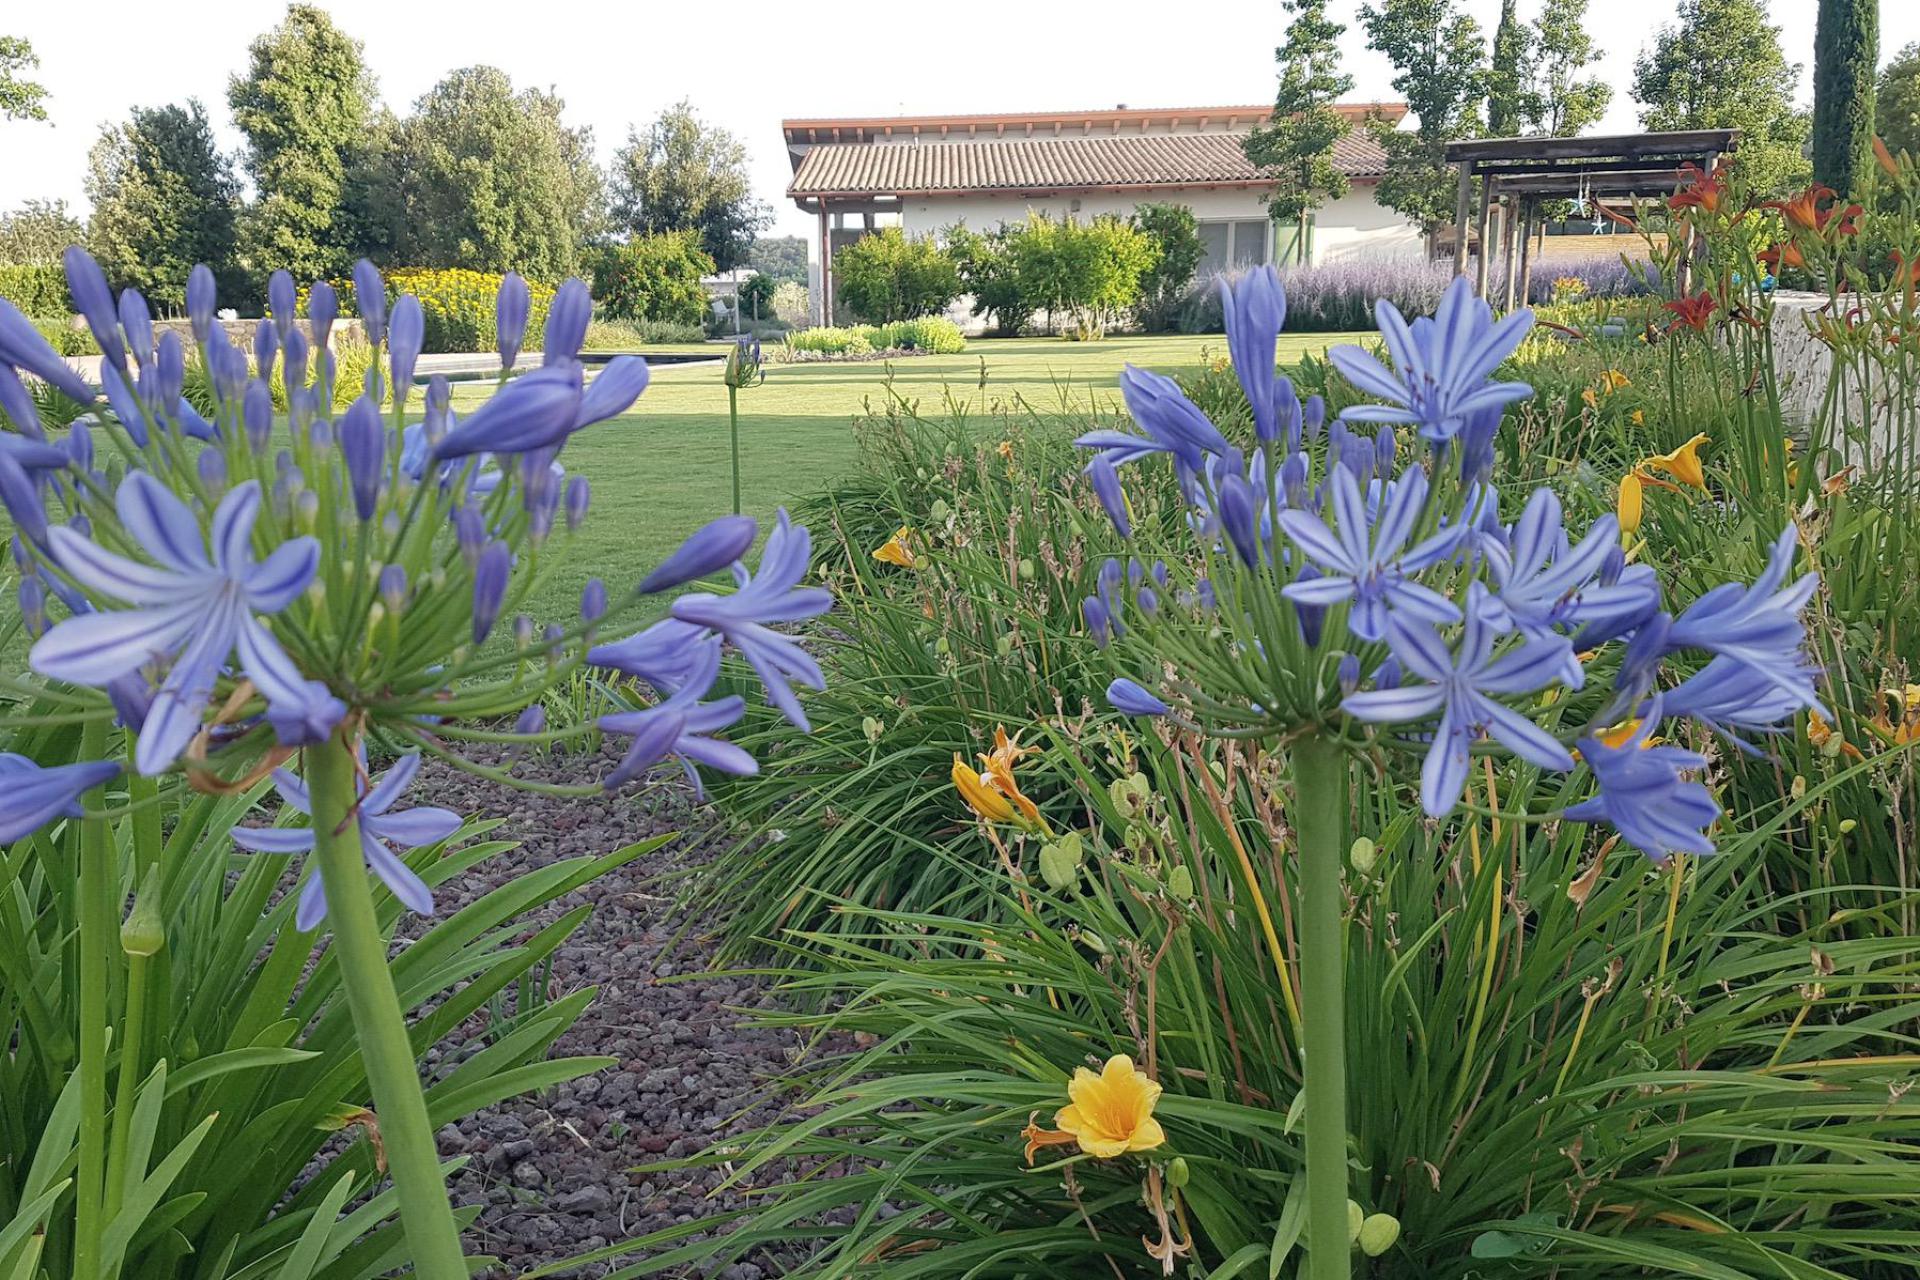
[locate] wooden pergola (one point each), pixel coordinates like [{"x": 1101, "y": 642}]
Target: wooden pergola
[{"x": 1517, "y": 174}]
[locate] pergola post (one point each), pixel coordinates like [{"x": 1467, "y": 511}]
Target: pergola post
[
  {"x": 1485, "y": 231},
  {"x": 1510, "y": 225},
  {"x": 1462, "y": 209},
  {"x": 826, "y": 265},
  {"x": 1527, "y": 212}
]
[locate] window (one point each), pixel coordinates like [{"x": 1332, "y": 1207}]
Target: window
[
  {"x": 1213, "y": 248},
  {"x": 1249, "y": 243}
]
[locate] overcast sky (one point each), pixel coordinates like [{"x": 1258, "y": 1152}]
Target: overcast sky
[{"x": 745, "y": 64}]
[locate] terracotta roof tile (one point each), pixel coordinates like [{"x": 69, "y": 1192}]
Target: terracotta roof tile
[{"x": 998, "y": 164}]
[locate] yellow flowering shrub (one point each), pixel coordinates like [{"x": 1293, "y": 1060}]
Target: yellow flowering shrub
[{"x": 457, "y": 304}]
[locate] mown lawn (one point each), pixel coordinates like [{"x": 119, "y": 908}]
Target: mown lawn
[{"x": 663, "y": 470}]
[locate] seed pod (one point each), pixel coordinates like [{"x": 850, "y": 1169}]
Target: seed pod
[
  {"x": 1378, "y": 1234},
  {"x": 1363, "y": 855},
  {"x": 1180, "y": 882}
]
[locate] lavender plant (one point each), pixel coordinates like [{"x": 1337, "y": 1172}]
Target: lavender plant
[
  {"x": 240, "y": 588},
  {"x": 1355, "y": 595}
]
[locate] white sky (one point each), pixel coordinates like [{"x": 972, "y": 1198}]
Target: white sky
[{"x": 746, "y": 64}]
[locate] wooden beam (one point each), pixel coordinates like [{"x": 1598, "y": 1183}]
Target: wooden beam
[
  {"x": 826, "y": 266},
  {"x": 1683, "y": 143},
  {"x": 1462, "y": 210}
]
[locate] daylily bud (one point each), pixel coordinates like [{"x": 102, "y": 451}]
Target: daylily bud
[
  {"x": 1177, "y": 1172},
  {"x": 1378, "y": 1234}
]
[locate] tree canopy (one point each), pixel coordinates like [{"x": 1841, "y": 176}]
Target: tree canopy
[
  {"x": 1846, "y": 51},
  {"x": 1295, "y": 148},
  {"x": 164, "y": 198},
  {"x": 303, "y": 105},
  {"x": 683, "y": 174},
  {"x": 1896, "y": 106},
  {"x": 1440, "y": 67},
  {"x": 20, "y": 98}
]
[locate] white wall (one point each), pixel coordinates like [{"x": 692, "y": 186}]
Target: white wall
[{"x": 1356, "y": 225}]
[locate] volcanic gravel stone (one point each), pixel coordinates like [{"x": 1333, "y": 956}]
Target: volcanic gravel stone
[{"x": 554, "y": 1174}]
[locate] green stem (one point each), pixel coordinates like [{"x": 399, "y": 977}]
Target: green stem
[
  {"x": 1320, "y": 780},
  {"x": 412, "y": 1158},
  {"x": 733, "y": 428},
  {"x": 135, "y": 1026},
  {"x": 99, "y": 930}
]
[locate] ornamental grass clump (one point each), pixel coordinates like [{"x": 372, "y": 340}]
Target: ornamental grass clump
[
  {"x": 235, "y": 590},
  {"x": 1355, "y": 593}
]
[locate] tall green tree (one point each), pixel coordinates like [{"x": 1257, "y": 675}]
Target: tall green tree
[
  {"x": 481, "y": 176},
  {"x": 1896, "y": 104},
  {"x": 1719, "y": 65},
  {"x": 1175, "y": 233},
  {"x": 20, "y": 98},
  {"x": 1295, "y": 148},
  {"x": 303, "y": 105},
  {"x": 1440, "y": 67},
  {"x": 683, "y": 174},
  {"x": 38, "y": 231},
  {"x": 1564, "y": 102},
  {"x": 1508, "y": 90},
  {"x": 1846, "y": 54},
  {"x": 164, "y": 198}
]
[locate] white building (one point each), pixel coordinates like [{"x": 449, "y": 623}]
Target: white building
[{"x": 925, "y": 173}]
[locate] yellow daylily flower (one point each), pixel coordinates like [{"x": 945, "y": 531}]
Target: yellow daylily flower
[
  {"x": 898, "y": 550},
  {"x": 979, "y": 794},
  {"x": 1632, "y": 504},
  {"x": 1638, "y": 417},
  {"x": 1005, "y": 449},
  {"x": 1683, "y": 464},
  {"x": 1621, "y": 734},
  {"x": 1612, "y": 380},
  {"x": 1112, "y": 1113}
]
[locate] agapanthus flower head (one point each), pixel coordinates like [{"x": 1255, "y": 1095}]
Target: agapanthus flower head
[
  {"x": 202, "y": 296},
  {"x": 1441, "y": 365},
  {"x": 1642, "y": 794},
  {"x": 1255, "y": 307},
  {"x": 1367, "y": 562},
  {"x": 32, "y": 796},
  {"x": 1172, "y": 424},
  {"x": 681, "y": 727}
]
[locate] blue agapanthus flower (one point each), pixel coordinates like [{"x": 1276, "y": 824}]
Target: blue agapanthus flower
[
  {"x": 32, "y": 796},
  {"x": 381, "y": 827},
  {"x": 1367, "y": 561},
  {"x": 682, "y": 726},
  {"x": 1643, "y": 795},
  {"x": 199, "y": 603},
  {"x": 1442, "y": 365}
]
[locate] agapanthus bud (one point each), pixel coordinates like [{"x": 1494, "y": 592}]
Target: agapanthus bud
[
  {"x": 323, "y": 307},
  {"x": 1099, "y": 622},
  {"x": 81, "y": 525},
  {"x": 1349, "y": 674},
  {"x": 1612, "y": 565},
  {"x": 21, "y": 498},
  {"x": 534, "y": 411},
  {"x": 1312, "y": 617},
  {"x": 510, "y": 311},
  {"x": 1148, "y": 601},
  {"x": 711, "y": 549},
  {"x": 306, "y": 509},
  {"x": 212, "y": 466},
  {"x": 169, "y": 371},
  {"x": 1293, "y": 481},
  {"x": 1383, "y": 451},
  {"x": 1106, "y": 487},
  {"x": 613, "y": 391},
  {"x": 1313, "y": 414},
  {"x": 363, "y": 446},
  {"x": 439, "y": 409},
  {"x": 1286, "y": 411},
  {"x": 522, "y": 631},
  {"x": 280, "y": 301},
  {"x": 579, "y": 494},
  {"x": 127, "y": 409},
  {"x": 92, "y": 298},
  {"x": 393, "y": 587},
  {"x": 266, "y": 349},
  {"x": 470, "y": 531},
  {"x": 490, "y": 574},
  {"x": 320, "y": 436},
  {"x": 137, "y": 322},
  {"x": 370, "y": 291},
  {"x": 294, "y": 359},
  {"x": 405, "y": 335},
  {"x": 16, "y": 405},
  {"x": 202, "y": 297},
  {"x": 593, "y": 601},
  {"x": 33, "y": 606},
  {"x": 567, "y": 317},
  {"x": 532, "y": 720},
  {"x": 1239, "y": 517},
  {"x": 1129, "y": 698}
]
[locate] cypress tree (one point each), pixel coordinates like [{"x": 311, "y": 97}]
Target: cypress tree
[{"x": 1845, "y": 60}]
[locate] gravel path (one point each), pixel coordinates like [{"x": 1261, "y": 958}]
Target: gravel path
[{"x": 553, "y": 1173}]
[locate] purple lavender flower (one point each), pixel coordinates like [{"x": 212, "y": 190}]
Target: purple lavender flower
[
  {"x": 193, "y": 606},
  {"x": 510, "y": 317},
  {"x": 713, "y": 547},
  {"x": 1255, "y": 307},
  {"x": 1367, "y": 565},
  {"x": 567, "y": 317},
  {"x": 1644, "y": 798},
  {"x": 1129, "y": 698},
  {"x": 1457, "y": 692},
  {"x": 773, "y": 595},
  {"x": 32, "y": 796},
  {"x": 1441, "y": 364},
  {"x": 380, "y": 827}
]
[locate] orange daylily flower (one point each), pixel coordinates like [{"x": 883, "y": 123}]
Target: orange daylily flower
[
  {"x": 1692, "y": 312},
  {"x": 898, "y": 550},
  {"x": 978, "y": 792},
  {"x": 1110, "y": 1114},
  {"x": 1784, "y": 254},
  {"x": 1683, "y": 464},
  {"x": 1699, "y": 189},
  {"x": 1820, "y": 733},
  {"x": 992, "y": 792},
  {"x": 1906, "y": 703},
  {"x": 1803, "y": 211}
]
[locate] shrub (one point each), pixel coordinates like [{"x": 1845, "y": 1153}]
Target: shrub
[
  {"x": 987, "y": 269},
  {"x": 1176, "y": 236},
  {"x": 935, "y": 335},
  {"x": 39, "y": 289},
  {"x": 831, "y": 340},
  {"x": 64, "y": 338},
  {"x": 459, "y": 306},
  {"x": 624, "y": 335},
  {"x": 756, "y": 296},
  {"x": 791, "y": 303},
  {"x": 891, "y": 276},
  {"x": 654, "y": 277},
  {"x": 1090, "y": 271}
]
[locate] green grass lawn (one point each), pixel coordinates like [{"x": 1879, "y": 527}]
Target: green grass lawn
[{"x": 662, "y": 470}]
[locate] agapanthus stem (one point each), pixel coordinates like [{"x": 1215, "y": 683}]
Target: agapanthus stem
[
  {"x": 733, "y": 427},
  {"x": 1320, "y": 779},
  {"x": 433, "y": 1239},
  {"x": 99, "y": 925}
]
